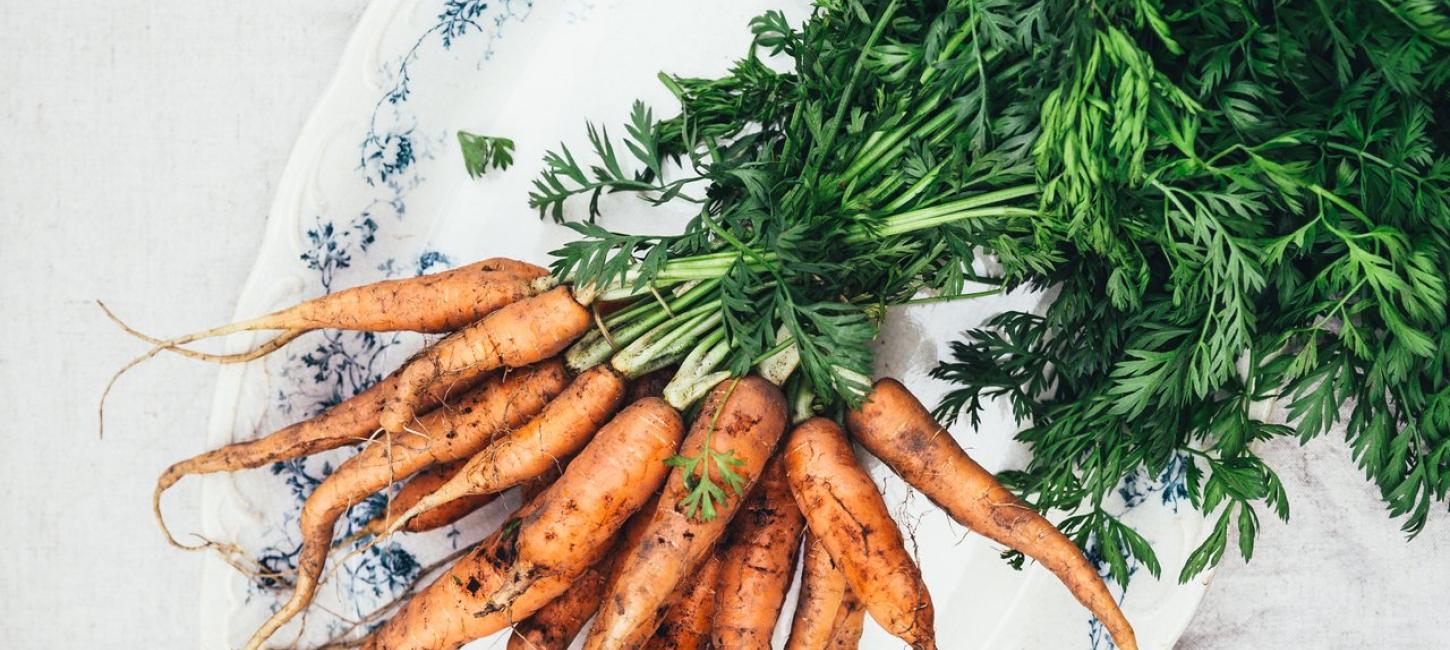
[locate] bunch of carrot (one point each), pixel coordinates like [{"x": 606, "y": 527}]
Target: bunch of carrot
[{"x": 612, "y": 527}]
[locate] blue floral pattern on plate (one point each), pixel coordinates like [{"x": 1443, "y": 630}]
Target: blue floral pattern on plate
[{"x": 338, "y": 365}]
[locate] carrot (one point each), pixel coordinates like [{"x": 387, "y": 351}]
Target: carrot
[
  {"x": 446, "y": 514},
  {"x": 438, "y": 302},
  {"x": 442, "y": 436},
  {"x": 519, "y": 334},
  {"x": 421, "y": 485},
  {"x": 351, "y": 421},
  {"x": 532, "y": 488},
  {"x": 746, "y": 418},
  {"x": 822, "y": 595},
  {"x": 611, "y": 476},
  {"x": 556, "y": 624},
  {"x": 847, "y": 514},
  {"x": 895, "y": 427},
  {"x": 441, "y": 616},
  {"x": 757, "y": 563},
  {"x": 441, "y": 302},
  {"x": 560, "y": 431},
  {"x": 599, "y": 490},
  {"x": 850, "y": 623},
  {"x": 687, "y": 625}
]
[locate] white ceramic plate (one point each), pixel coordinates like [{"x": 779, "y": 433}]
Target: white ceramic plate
[{"x": 376, "y": 188}]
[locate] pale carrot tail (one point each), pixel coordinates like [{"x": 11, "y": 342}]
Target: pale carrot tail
[
  {"x": 301, "y": 598},
  {"x": 168, "y": 479},
  {"x": 268, "y": 322},
  {"x": 242, "y": 357},
  {"x": 427, "y": 503}
]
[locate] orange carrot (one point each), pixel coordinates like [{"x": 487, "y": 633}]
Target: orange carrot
[
  {"x": 822, "y": 595},
  {"x": 745, "y": 418},
  {"x": 687, "y": 625},
  {"x": 846, "y": 513},
  {"x": 850, "y": 622},
  {"x": 421, "y": 485},
  {"x": 442, "y": 436},
  {"x": 441, "y": 302},
  {"x": 438, "y": 302},
  {"x": 351, "y": 421},
  {"x": 757, "y": 563},
  {"x": 441, "y": 616},
  {"x": 599, "y": 490},
  {"x": 556, "y": 624},
  {"x": 446, "y": 514},
  {"x": 456, "y": 608},
  {"x": 895, "y": 427},
  {"x": 519, "y": 334},
  {"x": 560, "y": 431}
]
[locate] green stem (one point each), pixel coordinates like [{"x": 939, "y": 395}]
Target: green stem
[
  {"x": 874, "y": 152},
  {"x": 667, "y": 343},
  {"x": 715, "y": 265},
  {"x": 968, "y": 26},
  {"x": 712, "y": 266},
  {"x": 850, "y": 90},
  {"x": 695, "y": 376},
  {"x": 881, "y": 148},
  {"x": 802, "y": 398},
  {"x": 916, "y": 188},
  {"x": 952, "y": 297},
  {"x": 628, "y": 325},
  {"x": 900, "y": 141}
]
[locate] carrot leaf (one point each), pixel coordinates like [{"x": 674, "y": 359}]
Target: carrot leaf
[{"x": 481, "y": 152}]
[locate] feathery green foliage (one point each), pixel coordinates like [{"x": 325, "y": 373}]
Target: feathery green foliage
[
  {"x": 1234, "y": 203},
  {"x": 1249, "y": 202}
]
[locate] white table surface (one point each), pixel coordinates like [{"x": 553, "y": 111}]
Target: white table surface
[{"x": 140, "y": 143}]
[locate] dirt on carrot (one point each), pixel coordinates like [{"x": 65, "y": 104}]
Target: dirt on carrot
[
  {"x": 745, "y": 418},
  {"x": 822, "y": 594},
  {"x": 555, "y": 625},
  {"x": 600, "y": 489},
  {"x": 850, "y": 623},
  {"x": 421, "y": 485},
  {"x": 757, "y": 563},
  {"x": 434, "y": 303},
  {"x": 693, "y": 607},
  {"x": 443, "y": 436},
  {"x": 442, "y": 616},
  {"x": 895, "y": 427},
  {"x": 563, "y": 428},
  {"x": 846, "y": 512}
]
